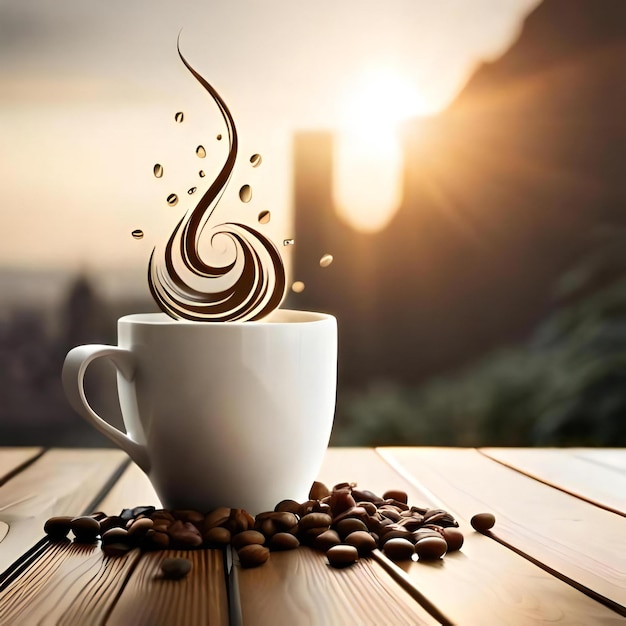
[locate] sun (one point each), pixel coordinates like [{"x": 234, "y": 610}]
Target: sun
[
  {"x": 381, "y": 97},
  {"x": 368, "y": 163}
]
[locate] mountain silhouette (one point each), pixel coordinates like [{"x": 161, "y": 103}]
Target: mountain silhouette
[{"x": 503, "y": 193}]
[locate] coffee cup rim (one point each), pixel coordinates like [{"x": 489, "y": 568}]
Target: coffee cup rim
[{"x": 278, "y": 316}]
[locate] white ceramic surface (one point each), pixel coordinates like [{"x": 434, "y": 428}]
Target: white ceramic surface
[{"x": 220, "y": 414}]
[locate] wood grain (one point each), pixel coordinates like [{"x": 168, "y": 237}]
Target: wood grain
[
  {"x": 11, "y": 459},
  {"x": 61, "y": 482},
  {"x": 484, "y": 583},
  {"x": 197, "y": 600},
  {"x": 563, "y": 468},
  {"x": 69, "y": 584},
  {"x": 580, "y": 542},
  {"x": 609, "y": 457},
  {"x": 299, "y": 587}
]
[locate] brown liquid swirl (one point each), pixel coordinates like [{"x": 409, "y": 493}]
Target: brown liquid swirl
[{"x": 251, "y": 284}]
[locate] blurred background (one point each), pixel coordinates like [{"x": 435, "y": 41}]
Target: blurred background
[{"x": 463, "y": 163}]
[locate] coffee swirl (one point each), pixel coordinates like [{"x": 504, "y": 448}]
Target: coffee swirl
[{"x": 248, "y": 286}]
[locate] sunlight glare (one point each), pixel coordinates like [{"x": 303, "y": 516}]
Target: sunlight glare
[{"x": 368, "y": 163}]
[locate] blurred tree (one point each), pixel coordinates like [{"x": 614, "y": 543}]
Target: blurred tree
[{"x": 566, "y": 386}]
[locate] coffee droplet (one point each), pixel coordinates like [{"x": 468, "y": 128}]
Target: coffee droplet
[
  {"x": 192, "y": 190},
  {"x": 158, "y": 170},
  {"x": 137, "y": 234},
  {"x": 179, "y": 117},
  {"x": 264, "y": 217},
  {"x": 326, "y": 260},
  {"x": 245, "y": 193},
  {"x": 256, "y": 160},
  {"x": 201, "y": 152},
  {"x": 219, "y": 137},
  {"x": 297, "y": 286},
  {"x": 172, "y": 199},
  {"x": 288, "y": 242},
  {"x": 201, "y": 174}
]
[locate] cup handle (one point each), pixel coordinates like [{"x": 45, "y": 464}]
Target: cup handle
[{"x": 74, "y": 368}]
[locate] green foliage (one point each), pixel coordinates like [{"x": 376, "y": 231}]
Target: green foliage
[{"x": 566, "y": 386}]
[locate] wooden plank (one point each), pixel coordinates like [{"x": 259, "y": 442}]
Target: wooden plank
[
  {"x": 11, "y": 459},
  {"x": 69, "y": 584},
  {"x": 198, "y": 599},
  {"x": 72, "y": 584},
  {"x": 569, "y": 471},
  {"x": 299, "y": 587},
  {"x": 609, "y": 457},
  {"x": 581, "y": 543},
  {"x": 484, "y": 583},
  {"x": 201, "y": 598},
  {"x": 61, "y": 482}
]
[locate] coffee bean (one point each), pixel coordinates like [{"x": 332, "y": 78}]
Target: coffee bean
[
  {"x": 453, "y": 537},
  {"x": 349, "y": 525},
  {"x": 253, "y": 555},
  {"x": 291, "y": 506},
  {"x": 327, "y": 539},
  {"x": 309, "y": 536},
  {"x": 321, "y": 521},
  {"x": 115, "y": 535},
  {"x": 217, "y": 517},
  {"x": 343, "y": 486},
  {"x": 58, "y": 527},
  {"x": 322, "y": 507},
  {"x": 116, "y": 549},
  {"x": 161, "y": 526},
  {"x": 85, "y": 528},
  {"x": 139, "y": 527},
  {"x": 216, "y": 537},
  {"x": 184, "y": 534},
  {"x": 154, "y": 539},
  {"x": 366, "y": 496},
  {"x": 353, "y": 512},
  {"x": 267, "y": 526},
  {"x": 175, "y": 568},
  {"x": 369, "y": 507},
  {"x": 247, "y": 537},
  {"x": 483, "y": 521},
  {"x": 341, "y": 500},
  {"x": 396, "y": 494},
  {"x": 113, "y": 521},
  {"x": 283, "y": 541},
  {"x": 162, "y": 515},
  {"x": 342, "y": 555},
  {"x": 315, "y": 520},
  {"x": 431, "y": 548},
  {"x": 307, "y": 507},
  {"x": 238, "y": 521},
  {"x": 399, "y": 549},
  {"x": 410, "y": 523},
  {"x": 390, "y": 513},
  {"x": 362, "y": 541},
  {"x": 285, "y": 521},
  {"x": 318, "y": 491},
  {"x": 439, "y": 517}
]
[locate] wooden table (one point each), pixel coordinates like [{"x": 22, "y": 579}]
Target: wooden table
[{"x": 557, "y": 553}]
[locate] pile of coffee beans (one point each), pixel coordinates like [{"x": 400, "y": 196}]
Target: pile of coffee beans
[{"x": 344, "y": 522}]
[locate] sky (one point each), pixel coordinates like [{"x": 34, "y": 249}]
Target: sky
[{"x": 88, "y": 93}]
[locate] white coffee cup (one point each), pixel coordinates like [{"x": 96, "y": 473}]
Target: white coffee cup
[{"x": 220, "y": 414}]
